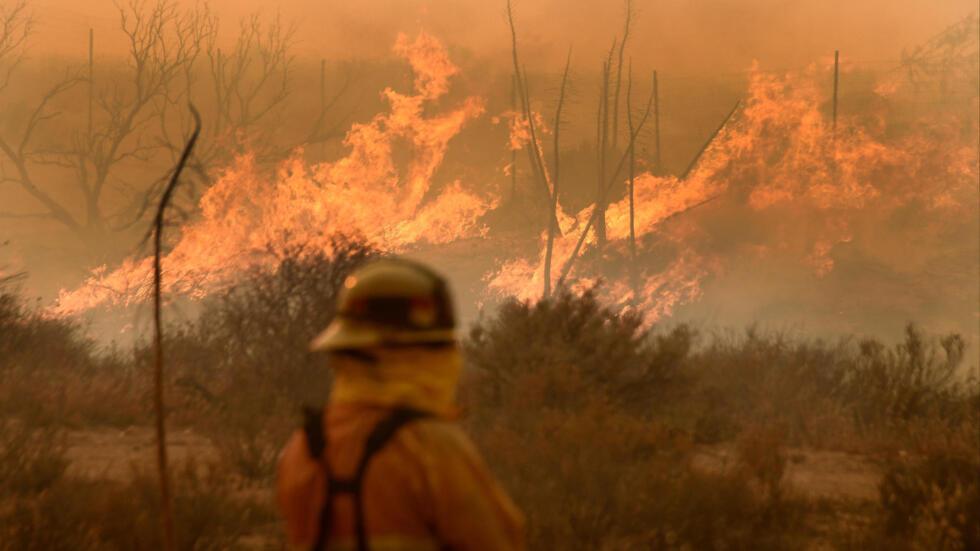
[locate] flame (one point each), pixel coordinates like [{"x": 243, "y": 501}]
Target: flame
[
  {"x": 520, "y": 128},
  {"x": 780, "y": 152},
  {"x": 780, "y": 161},
  {"x": 247, "y": 215}
]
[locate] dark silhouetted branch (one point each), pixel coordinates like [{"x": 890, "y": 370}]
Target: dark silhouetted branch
[
  {"x": 555, "y": 178},
  {"x": 166, "y": 499},
  {"x": 694, "y": 162}
]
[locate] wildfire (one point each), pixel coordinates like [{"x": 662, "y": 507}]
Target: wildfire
[
  {"x": 781, "y": 152},
  {"x": 246, "y": 213},
  {"x": 806, "y": 185}
]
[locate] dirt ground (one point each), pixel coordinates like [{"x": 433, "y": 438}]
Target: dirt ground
[
  {"x": 110, "y": 454},
  {"x": 815, "y": 474},
  {"x": 113, "y": 454}
]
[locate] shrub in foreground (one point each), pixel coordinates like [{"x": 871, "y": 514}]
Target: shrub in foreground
[{"x": 563, "y": 399}]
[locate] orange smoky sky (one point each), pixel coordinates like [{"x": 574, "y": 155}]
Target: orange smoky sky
[{"x": 696, "y": 36}]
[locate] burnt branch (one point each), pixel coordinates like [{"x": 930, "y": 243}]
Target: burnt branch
[
  {"x": 566, "y": 269},
  {"x": 520, "y": 81},
  {"x": 16, "y": 25},
  {"x": 253, "y": 79},
  {"x": 619, "y": 74},
  {"x": 163, "y": 45},
  {"x": 167, "y": 516},
  {"x": 553, "y": 227},
  {"x": 22, "y": 157}
]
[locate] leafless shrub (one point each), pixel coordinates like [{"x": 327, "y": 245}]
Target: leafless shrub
[
  {"x": 914, "y": 379},
  {"x": 16, "y": 24},
  {"x": 83, "y": 514},
  {"x": 563, "y": 399},
  {"x": 247, "y": 356},
  {"x": 762, "y": 457},
  {"x": 51, "y": 374},
  {"x": 932, "y": 502},
  {"x": 31, "y": 458},
  {"x": 577, "y": 338}
]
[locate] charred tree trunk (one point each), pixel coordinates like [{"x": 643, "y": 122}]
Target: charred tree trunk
[
  {"x": 634, "y": 271},
  {"x": 658, "y": 159},
  {"x": 513, "y": 152},
  {"x": 555, "y": 175},
  {"x": 619, "y": 75},
  {"x": 534, "y": 151},
  {"x": 836, "y": 81},
  {"x": 603, "y": 150},
  {"x": 91, "y": 78},
  {"x": 567, "y": 268}
]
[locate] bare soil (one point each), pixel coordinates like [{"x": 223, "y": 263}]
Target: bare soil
[
  {"x": 114, "y": 454},
  {"x": 815, "y": 474},
  {"x": 111, "y": 454}
]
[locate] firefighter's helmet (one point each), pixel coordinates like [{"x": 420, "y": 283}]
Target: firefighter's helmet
[{"x": 390, "y": 302}]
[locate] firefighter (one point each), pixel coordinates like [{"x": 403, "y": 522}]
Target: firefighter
[{"x": 383, "y": 466}]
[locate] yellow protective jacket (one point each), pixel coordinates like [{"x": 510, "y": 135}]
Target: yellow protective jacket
[{"x": 426, "y": 489}]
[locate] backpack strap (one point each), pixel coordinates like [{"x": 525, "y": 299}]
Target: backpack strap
[
  {"x": 376, "y": 441},
  {"x": 316, "y": 443},
  {"x": 316, "y": 440}
]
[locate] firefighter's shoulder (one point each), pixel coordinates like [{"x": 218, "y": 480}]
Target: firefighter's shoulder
[{"x": 471, "y": 509}]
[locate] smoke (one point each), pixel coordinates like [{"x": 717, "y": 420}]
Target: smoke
[
  {"x": 786, "y": 220},
  {"x": 673, "y": 35}
]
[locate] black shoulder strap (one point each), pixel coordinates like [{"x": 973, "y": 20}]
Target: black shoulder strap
[
  {"x": 376, "y": 441},
  {"x": 316, "y": 442}
]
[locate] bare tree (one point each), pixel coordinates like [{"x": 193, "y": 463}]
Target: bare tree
[
  {"x": 592, "y": 221},
  {"x": 253, "y": 79},
  {"x": 602, "y": 149},
  {"x": 163, "y": 45},
  {"x": 538, "y": 167},
  {"x": 607, "y": 142},
  {"x": 555, "y": 174},
  {"x": 16, "y": 24},
  {"x": 619, "y": 74},
  {"x": 19, "y": 155},
  {"x": 248, "y": 87},
  {"x": 24, "y": 157},
  {"x": 513, "y": 151},
  {"x": 139, "y": 121},
  {"x": 634, "y": 272},
  {"x": 162, "y": 41}
]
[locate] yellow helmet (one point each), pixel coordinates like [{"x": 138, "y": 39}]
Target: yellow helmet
[{"x": 390, "y": 302}]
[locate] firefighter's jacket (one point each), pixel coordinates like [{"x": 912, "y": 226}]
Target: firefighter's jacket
[{"x": 427, "y": 489}]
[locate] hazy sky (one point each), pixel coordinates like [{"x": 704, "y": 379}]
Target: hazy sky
[{"x": 679, "y": 35}]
